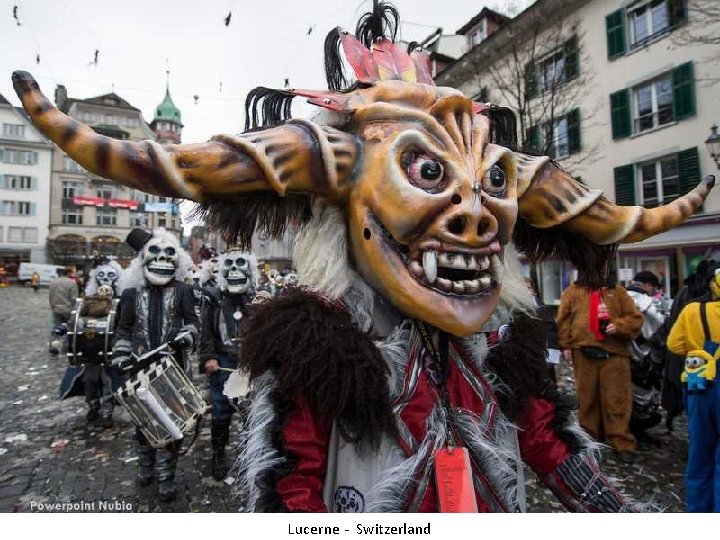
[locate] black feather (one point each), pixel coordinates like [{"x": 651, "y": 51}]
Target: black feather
[
  {"x": 413, "y": 46},
  {"x": 267, "y": 107},
  {"x": 237, "y": 218},
  {"x": 320, "y": 358},
  {"x": 381, "y": 22},
  {"x": 334, "y": 71},
  {"x": 591, "y": 260},
  {"x": 519, "y": 362}
]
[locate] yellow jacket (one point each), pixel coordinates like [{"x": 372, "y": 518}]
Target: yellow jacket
[{"x": 687, "y": 333}]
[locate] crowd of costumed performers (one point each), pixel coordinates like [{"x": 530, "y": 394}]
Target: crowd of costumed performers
[{"x": 406, "y": 372}]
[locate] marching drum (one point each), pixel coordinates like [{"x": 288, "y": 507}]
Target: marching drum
[
  {"x": 162, "y": 402},
  {"x": 90, "y": 337}
]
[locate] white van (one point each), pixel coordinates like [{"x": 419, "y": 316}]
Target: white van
[{"x": 47, "y": 272}]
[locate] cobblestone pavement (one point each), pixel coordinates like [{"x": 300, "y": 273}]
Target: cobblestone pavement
[{"x": 98, "y": 466}]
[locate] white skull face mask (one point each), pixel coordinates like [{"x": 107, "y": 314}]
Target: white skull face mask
[
  {"x": 106, "y": 274},
  {"x": 237, "y": 272},
  {"x": 160, "y": 262}
]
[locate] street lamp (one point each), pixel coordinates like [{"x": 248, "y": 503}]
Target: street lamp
[{"x": 713, "y": 144}]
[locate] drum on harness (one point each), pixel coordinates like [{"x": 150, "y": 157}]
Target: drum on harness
[
  {"x": 162, "y": 402},
  {"x": 90, "y": 332}
]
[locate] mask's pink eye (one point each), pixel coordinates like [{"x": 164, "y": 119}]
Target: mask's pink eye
[{"x": 425, "y": 172}]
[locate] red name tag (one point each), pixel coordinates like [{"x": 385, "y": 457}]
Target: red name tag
[{"x": 454, "y": 480}]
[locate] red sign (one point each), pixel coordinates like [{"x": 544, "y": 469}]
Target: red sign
[
  {"x": 123, "y": 203},
  {"x": 88, "y": 201}
]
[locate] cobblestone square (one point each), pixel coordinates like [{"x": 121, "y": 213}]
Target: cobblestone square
[{"x": 37, "y": 467}]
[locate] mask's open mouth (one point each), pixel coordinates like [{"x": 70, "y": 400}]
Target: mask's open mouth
[
  {"x": 467, "y": 273},
  {"x": 234, "y": 281},
  {"x": 162, "y": 268},
  {"x": 456, "y": 272}
]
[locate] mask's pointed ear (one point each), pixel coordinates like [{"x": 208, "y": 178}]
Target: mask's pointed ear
[
  {"x": 560, "y": 216},
  {"x": 297, "y": 157}
]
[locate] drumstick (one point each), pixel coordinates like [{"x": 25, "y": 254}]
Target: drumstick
[{"x": 226, "y": 369}]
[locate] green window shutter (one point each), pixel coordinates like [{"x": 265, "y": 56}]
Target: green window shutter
[
  {"x": 615, "y": 25},
  {"x": 677, "y": 12},
  {"x": 530, "y": 80},
  {"x": 683, "y": 80},
  {"x": 573, "y": 120},
  {"x": 532, "y": 139},
  {"x": 572, "y": 60},
  {"x": 620, "y": 114},
  {"x": 32, "y": 208},
  {"x": 625, "y": 185},
  {"x": 688, "y": 169}
]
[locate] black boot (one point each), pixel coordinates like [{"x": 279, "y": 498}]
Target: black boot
[
  {"x": 146, "y": 461},
  {"x": 219, "y": 436},
  {"x": 166, "y": 465},
  {"x": 93, "y": 412}
]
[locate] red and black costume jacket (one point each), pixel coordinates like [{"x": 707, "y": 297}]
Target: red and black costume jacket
[{"x": 316, "y": 375}]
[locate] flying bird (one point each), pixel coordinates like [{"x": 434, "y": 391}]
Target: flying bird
[{"x": 227, "y": 19}]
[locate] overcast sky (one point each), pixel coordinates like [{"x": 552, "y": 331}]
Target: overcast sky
[{"x": 266, "y": 42}]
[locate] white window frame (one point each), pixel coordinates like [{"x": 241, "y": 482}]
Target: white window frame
[
  {"x": 19, "y": 157},
  {"x": 659, "y": 180},
  {"x": 14, "y": 131},
  {"x": 647, "y": 8},
  {"x": 478, "y": 34},
  {"x": 70, "y": 165},
  {"x": 139, "y": 219},
  {"x": 71, "y": 188},
  {"x": 105, "y": 218},
  {"x": 22, "y": 182},
  {"x": 106, "y": 189},
  {"x": 76, "y": 213},
  {"x": 655, "y": 112}
]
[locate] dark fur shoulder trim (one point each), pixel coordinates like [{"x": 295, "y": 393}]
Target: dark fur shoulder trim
[
  {"x": 519, "y": 360},
  {"x": 315, "y": 352}
]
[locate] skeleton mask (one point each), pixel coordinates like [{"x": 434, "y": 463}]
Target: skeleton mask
[
  {"x": 160, "y": 261},
  {"x": 106, "y": 274},
  {"x": 237, "y": 271},
  {"x": 429, "y": 195}
]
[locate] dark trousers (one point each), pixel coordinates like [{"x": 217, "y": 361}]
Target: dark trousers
[
  {"x": 702, "y": 474},
  {"x": 98, "y": 389}
]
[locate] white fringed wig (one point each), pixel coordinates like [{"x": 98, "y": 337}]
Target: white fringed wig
[
  {"x": 133, "y": 275},
  {"x": 107, "y": 273}
]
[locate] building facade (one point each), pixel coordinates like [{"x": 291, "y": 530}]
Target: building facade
[
  {"x": 25, "y": 163},
  {"x": 616, "y": 92},
  {"x": 90, "y": 214}
]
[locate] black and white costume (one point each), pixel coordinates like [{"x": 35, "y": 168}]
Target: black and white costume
[
  {"x": 220, "y": 348},
  {"x": 156, "y": 307}
]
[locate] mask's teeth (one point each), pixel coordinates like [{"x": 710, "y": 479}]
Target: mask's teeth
[
  {"x": 416, "y": 269},
  {"x": 497, "y": 267},
  {"x": 484, "y": 262},
  {"x": 430, "y": 265},
  {"x": 472, "y": 263}
]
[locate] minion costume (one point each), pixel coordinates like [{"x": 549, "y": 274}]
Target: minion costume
[{"x": 696, "y": 334}]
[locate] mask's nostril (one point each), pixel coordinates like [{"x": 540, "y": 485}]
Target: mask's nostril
[
  {"x": 456, "y": 225},
  {"x": 456, "y": 199},
  {"x": 482, "y": 227}
]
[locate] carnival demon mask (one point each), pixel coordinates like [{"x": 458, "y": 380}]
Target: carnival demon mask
[
  {"x": 159, "y": 261},
  {"x": 428, "y": 186}
]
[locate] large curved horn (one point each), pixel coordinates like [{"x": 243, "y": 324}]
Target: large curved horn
[
  {"x": 299, "y": 157},
  {"x": 554, "y": 199}
]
